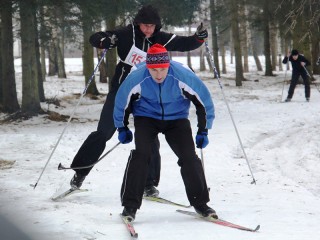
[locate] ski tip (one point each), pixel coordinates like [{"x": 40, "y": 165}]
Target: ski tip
[
  {"x": 60, "y": 167},
  {"x": 257, "y": 228}
]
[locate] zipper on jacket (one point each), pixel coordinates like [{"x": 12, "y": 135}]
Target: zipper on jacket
[
  {"x": 121, "y": 75},
  {"x": 161, "y": 105},
  {"x": 143, "y": 45}
]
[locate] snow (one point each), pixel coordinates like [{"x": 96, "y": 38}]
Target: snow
[{"x": 281, "y": 141}]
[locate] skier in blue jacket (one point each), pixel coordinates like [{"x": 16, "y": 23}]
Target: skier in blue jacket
[{"x": 158, "y": 93}]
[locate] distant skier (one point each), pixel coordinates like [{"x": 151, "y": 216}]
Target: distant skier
[
  {"x": 158, "y": 94},
  {"x": 298, "y": 63}
]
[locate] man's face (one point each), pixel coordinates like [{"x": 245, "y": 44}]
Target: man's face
[
  {"x": 147, "y": 29},
  {"x": 295, "y": 57},
  {"x": 158, "y": 74}
]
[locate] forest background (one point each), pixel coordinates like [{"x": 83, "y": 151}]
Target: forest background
[{"x": 240, "y": 28}]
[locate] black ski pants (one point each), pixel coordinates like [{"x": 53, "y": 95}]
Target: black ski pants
[
  {"x": 178, "y": 134},
  {"x": 95, "y": 143},
  {"x": 294, "y": 82}
]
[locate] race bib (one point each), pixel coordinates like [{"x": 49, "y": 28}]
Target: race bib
[{"x": 135, "y": 56}]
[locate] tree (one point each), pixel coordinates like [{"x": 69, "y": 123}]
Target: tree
[
  {"x": 244, "y": 34},
  {"x": 234, "y": 14},
  {"x": 213, "y": 21},
  {"x": 39, "y": 68},
  {"x": 1, "y": 81},
  {"x": 8, "y": 93},
  {"x": 87, "y": 56},
  {"x": 30, "y": 92},
  {"x": 266, "y": 35},
  {"x": 111, "y": 58}
]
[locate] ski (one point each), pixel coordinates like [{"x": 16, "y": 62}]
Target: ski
[
  {"x": 220, "y": 221},
  {"x": 130, "y": 227},
  {"x": 68, "y": 193},
  {"x": 165, "y": 201}
]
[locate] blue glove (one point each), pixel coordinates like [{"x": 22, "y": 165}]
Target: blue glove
[
  {"x": 202, "y": 139},
  {"x": 125, "y": 135}
]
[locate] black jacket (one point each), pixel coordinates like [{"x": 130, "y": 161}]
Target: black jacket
[
  {"x": 124, "y": 42},
  {"x": 296, "y": 64}
]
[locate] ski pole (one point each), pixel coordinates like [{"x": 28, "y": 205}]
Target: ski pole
[
  {"x": 202, "y": 163},
  {"x": 307, "y": 72},
  {"x": 226, "y": 102},
  {"x": 61, "y": 167},
  {"x": 71, "y": 116},
  {"x": 310, "y": 78}
]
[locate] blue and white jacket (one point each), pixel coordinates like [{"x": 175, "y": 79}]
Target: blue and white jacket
[{"x": 140, "y": 95}]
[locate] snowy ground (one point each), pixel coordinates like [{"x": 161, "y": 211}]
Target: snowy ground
[{"x": 281, "y": 141}]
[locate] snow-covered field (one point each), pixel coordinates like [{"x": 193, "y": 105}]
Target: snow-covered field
[{"x": 281, "y": 141}]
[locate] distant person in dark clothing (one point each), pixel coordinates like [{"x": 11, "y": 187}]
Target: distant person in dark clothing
[
  {"x": 298, "y": 62},
  {"x": 132, "y": 43}
]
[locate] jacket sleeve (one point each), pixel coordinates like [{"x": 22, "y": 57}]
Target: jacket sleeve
[
  {"x": 122, "y": 106},
  {"x": 285, "y": 60},
  {"x": 303, "y": 59},
  {"x": 179, "y": 43},
  {"x": 204, "y": 106},
  {"x": 197, "y": 92}
]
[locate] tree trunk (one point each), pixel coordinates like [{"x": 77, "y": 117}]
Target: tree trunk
[
  {"x": 8, "y": 93},
  {"x": 37, "y": 49},
  {"x": 266, "y": 35},
  {"x": 315, "y": 42},
  {"x": 287, "y": 47},
  {"x": 273, "y": 46},
  {"x": 59, "y": 43},
  {"x": 202, "y": 60},
  {"x": 223, "y": 58},
  {"x": 188, "y": 53},
  {"x": 43, "y": 62},
  {"x": 214, "y": 35},
  {"x": 231, "y": 48},
  {"x": 111, "y": 56},
  {"x": 102, "y": 67},
  {"x": 87, "y": 57},
  {"x": 42, "y": 45},
  {"x": 30, "y": 92},
  {"x": 236, "y": 42},
  {"x": 244, "y": 35},
  {"x": 280, "y": 62},
  {"x": 53, "y": 69},
  {"x": 1, "y": 80},
  {"x": 253, "y": 44},
  {"x": 189, "y": 59}
]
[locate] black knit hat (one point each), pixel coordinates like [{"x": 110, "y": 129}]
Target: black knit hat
[
  {"x": 294, "y": 52},
  {"x": 148, "y": 15}
]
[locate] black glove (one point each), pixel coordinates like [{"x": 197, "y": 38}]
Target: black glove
[
  {"x": 103, "y": 40},
  {"x": 201, "y": 33}
]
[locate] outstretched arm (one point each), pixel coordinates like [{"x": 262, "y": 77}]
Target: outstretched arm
[{"x": 103, "y": 40}]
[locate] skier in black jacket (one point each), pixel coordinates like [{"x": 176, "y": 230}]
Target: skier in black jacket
[
  {"x": 132, "y": 43},
  {"x": 298, "y": 63}
]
